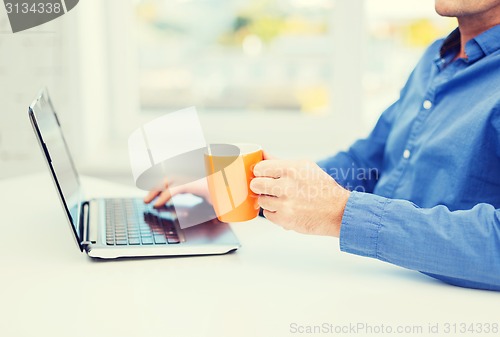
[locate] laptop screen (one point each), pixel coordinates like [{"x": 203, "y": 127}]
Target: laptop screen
[{"x": 57, "y": 154}]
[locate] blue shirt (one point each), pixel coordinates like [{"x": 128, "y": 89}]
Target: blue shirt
[{"x": 426, "y": 181}]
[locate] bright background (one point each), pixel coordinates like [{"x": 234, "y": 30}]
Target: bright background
[{"x": 303, "y": 78}]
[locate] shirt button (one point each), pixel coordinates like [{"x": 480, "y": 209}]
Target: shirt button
[
  {"x": 406, "y": 154},
  {"x": 427, "y": 104}
]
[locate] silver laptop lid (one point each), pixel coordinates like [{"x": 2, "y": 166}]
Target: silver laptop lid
[{"x": 51, "y": 139}]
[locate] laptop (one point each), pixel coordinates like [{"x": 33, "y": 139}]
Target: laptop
[{"x": 120, "y": 227}]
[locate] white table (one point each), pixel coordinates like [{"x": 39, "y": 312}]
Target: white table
[{"x": 277, "y": 279}]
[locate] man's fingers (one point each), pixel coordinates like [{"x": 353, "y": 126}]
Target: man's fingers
[
  {"x": 269, "y": 203},
  {"x": 269, "y": 168},
  {"x": 163, "y": 198},
  {"x": 151, "y": 195},
  {"x": 269, "y": 186},
  {"x": 154, "y": 193},
  {"x": 267, "y": 156}
]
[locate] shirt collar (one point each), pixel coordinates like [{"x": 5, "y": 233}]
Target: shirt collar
[
  {"x": 489, "y": 41},
  {"x": 484, "y": 44},
  {"x": 451, "y": 43}
]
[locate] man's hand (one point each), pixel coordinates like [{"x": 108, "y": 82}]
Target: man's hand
[
  {"x": 299, "y": 195},
  {"x": 198, "y": 188}
]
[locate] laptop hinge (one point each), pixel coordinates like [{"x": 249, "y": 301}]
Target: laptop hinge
[{"x": 84, "y": 228}]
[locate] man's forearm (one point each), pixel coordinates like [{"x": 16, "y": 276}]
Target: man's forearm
[{"x": 459, "y": 247}]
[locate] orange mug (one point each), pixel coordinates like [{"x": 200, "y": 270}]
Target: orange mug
[{"x": 229, "y": 172}]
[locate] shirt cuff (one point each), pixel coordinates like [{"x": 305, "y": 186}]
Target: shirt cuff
[{"x": 361, "y": 224}]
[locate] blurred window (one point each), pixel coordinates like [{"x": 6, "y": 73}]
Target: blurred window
[
  {"x": 234, "y": 55},
  {"x": 266, "y": 55}
]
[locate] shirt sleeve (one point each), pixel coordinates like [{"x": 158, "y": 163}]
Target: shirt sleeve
[
  {"x": 457, "y": 247},
  {"x": 358, "y": 168}
]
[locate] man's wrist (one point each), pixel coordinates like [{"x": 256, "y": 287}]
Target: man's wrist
[{"x": 341, "y": 202}]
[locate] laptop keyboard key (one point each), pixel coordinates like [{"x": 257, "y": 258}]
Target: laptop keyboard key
[
  {"x": 147, "y": 240},
  {"x": 173, "y": 239},
  {"x": 134, "y": 241},
  {"x": 160, "y": 239}
]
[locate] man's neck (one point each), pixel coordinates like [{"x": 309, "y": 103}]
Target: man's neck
[{"x": 473, "y": 25}]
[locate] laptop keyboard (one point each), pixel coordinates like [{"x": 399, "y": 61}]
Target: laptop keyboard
[{"x": 131, "y": 222}]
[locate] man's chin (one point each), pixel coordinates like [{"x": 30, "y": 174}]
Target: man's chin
[
  {"x": 450, "y": 8},
  {"x": 445, "y": 11}
]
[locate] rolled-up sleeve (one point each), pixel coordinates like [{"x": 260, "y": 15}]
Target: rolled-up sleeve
[{"x": 458, "y": 247}]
